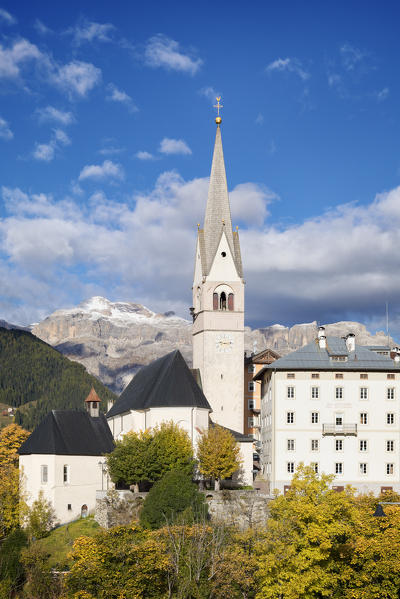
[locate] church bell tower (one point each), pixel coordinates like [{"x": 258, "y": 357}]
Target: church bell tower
[{"x": 218, "y": 301}]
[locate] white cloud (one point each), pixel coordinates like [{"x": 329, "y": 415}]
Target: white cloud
[
  {"x": 5, "y": 131},
  {"x": 45, "y": 152},
  {"x": 77, "y": 78},
  {"x": 209, "y": 93},
  {"x": 12, "y": 58},
  {"x": 51, "y": 114},
  {"x": 6, "y": 17},
  {"x": 89, "y": 31},
  {"x": 174, "y": 146},
  {"x": 118, "y": 95},
  {"x": 41, "y": 28},
  {"x": 259, "y": 119},
  {"x": 106, "y": 170},
  {"x": 351, "y": 56},
  {"x": 161, "y": 51},
  {"x": 291, "y": 65},
  {"x": 111, "y": 151},
  {"x": 383, "y": 94},
  {"x": 143, "y": 155}
]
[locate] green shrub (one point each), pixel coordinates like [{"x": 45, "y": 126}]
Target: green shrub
[
  {"x": 173, "y": 498},
  {"x": 11, "y": 570}
]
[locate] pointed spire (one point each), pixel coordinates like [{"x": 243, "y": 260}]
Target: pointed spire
[{"x": 218, "y": 212}]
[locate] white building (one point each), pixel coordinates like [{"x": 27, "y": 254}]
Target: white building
[
  {"x": 333, "y": 405},
  {"x": 64, "y": 457}
]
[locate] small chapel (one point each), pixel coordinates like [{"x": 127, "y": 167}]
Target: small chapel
[{"x": 64, "y": 456}]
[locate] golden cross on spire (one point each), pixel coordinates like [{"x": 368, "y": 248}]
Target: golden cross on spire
[{"x": 218, "y": 105}]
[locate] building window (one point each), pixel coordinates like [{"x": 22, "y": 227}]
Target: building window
[
  {"x": 251, "y": 369},
  {"x": 389, "y": 468},
  {"x": 339, "y": 419},
  {"x": 290, "y": 392},
  {"x": 339, "y": 358},
  {"x": 314, "y": 444},
  {"x": 363, "y": 445},
  {"x": 363, "y": 418},
  {"x": 251, "y": 403},
  {"x": 290, "y": 375},
  {"x": 69, "y": 507},
  {"x": 363, "y": 375},
  {"x": 314, "y": 392},
  {"x": 339, "y": 468},
  {"x": 363, "y": 468},
  {"x": 390, "y": 376},
  {"x": 314, "y": 466},
  {"x": 389, "y": 445},
  {"x": 230, "y": 302},
  {"x": 315, "y": 375},
  {"x": 250, "y": 386},
  {"x": 66, "y": 473},
  {"x": 290, "y": 445},
  {"x": 290, "y": 467},
  {"x": 215, "y": 301},
  {"x": 339, "y": 375},
  {"x": 390, "y": 418},
  {"x": 290, "y": 417},
  {"x": 250, "y": 422},
  {"x": 363, "y": 393},
  {"x": 338, "y": 444},
  {"x": 314, "y": 417},
  {"x": 339, "y": 392},
  {"x": 44, "y": 474},
  {"x": 390, "y": 393}
]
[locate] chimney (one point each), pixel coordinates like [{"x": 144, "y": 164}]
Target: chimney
[
  {"x": 321, "y": 332},
  {"x": 351, "y": 342},
  {"x": 92, "y": 403},
  {"x": 110, "y": 404},
  {"x": 321, "y": 341}
]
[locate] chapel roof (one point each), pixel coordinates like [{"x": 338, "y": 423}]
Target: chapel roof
[
  {"x": 92, "y": 397},
  {"x": 69, "y": 432},
  {"x": 165, "y": 383}
]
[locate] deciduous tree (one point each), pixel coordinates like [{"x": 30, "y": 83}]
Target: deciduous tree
[{"x": 218, "y": 454}]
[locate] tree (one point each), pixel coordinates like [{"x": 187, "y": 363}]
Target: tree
[
  {"x": 130, "y": 462},
  {"x": 218, "y": 454},
  {"x": 307, "y": 548},
  {"x": 171, "y": 449},
  {"x": 11, "y": 438},
  {"x": 39, "y": 518},
  {"x": 173, "y": 495},
  {"x": 148, "y": 455}
]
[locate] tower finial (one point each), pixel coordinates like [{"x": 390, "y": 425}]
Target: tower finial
[{"x": 218, "y": 106}]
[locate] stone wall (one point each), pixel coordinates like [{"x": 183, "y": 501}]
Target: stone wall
[{"x": 240, "y": 508}]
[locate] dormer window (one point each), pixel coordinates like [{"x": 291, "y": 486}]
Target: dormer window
[{"x": 339, "y": 358}]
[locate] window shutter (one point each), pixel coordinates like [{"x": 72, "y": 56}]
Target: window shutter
[
  {"x": 230, "y": 301},
  {"x": 215, "y": 301}
]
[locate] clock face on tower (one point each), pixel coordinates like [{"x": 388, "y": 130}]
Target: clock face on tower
[{"x": 224, "y": 343}]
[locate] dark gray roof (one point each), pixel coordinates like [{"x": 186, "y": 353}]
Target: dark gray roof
[
  {"x": 68, "y": 432},
  {"x": 239, "y": 437},
  {"x": 165, "y": 383},
  {"x": 312, "y": 357}
]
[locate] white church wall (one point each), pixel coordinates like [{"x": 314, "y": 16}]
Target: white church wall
[{"x": 84, "y": 479}]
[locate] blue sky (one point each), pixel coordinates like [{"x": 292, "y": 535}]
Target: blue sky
[{"x": 106, "y": 134}]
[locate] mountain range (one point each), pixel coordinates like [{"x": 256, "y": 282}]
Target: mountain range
[{"x": 114, "y": 339}]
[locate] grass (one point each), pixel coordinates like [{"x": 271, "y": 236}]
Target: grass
[{"x": 59, "y": 542}]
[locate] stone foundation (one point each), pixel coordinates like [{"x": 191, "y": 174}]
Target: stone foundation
[{"x": 244, "y": 509}]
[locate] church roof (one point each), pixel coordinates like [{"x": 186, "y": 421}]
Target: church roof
[
  {"x": 218, "y": 214},
  {"x": 68, "y": 432},
  {"x": 165, "y": 383}
]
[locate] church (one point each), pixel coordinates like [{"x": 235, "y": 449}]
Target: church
[{"x": 64, "y": 456}]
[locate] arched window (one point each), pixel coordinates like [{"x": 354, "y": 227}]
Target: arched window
[
  {"x": 222, "y": 301},
  {"x": 215, "y": 301},
  {"x": 230, "y": 302},
  {"x": 84, "y": 511}
]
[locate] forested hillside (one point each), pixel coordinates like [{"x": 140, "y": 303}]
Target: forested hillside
[{"x": 36, "y": 378}]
